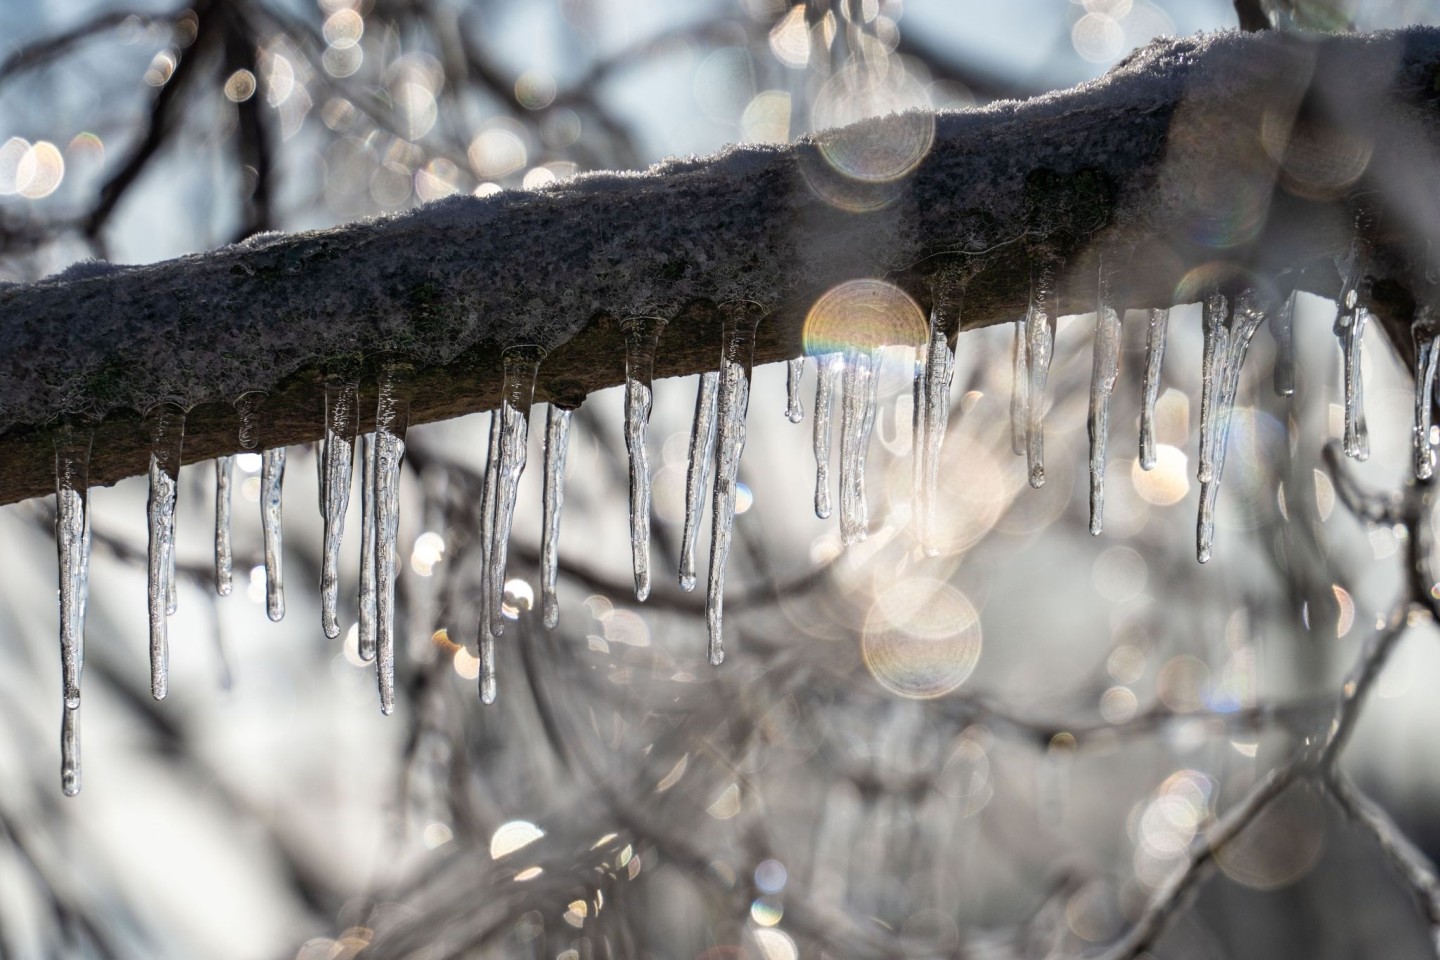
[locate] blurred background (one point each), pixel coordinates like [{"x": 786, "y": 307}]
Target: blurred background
[{"x": 1000, "y": 751}]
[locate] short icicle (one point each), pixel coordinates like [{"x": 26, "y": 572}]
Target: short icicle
[
  {"x": 1215, "y": 321},
  {"x": 1424, "y": 330},
  {"x": 167, "y": 434},
  {"x": 272, "y": 487},
  {"x": 341, "y": 425},
  {"x": 697, "y": 476},
  {"x": 857, "y": 417},
  {"x": 933, "y": 413},
  {"x": 557, "y": 443},
  {"x": 641, "y": 336},
  {"x": 1250, "y": 310},
  {"x": 1019, "y": 391},
  {"x": 827, "y": 372},
  {"x": 224, "y": 475},
  {"x": 488, "y": 490},
  {"x": 737, "y": 354},
  {"x": 72, "y": 522},
  {"x": 365, "y": 633},
  {"x": 1039, "y": 349},
  {"x": 392, "y": 418},
  {"x": 1104, "y": 369},
  {"x": 1155, "y": 336},
  {"x": 794, "y": 370},
  {"x": 1282, "y": 330}
]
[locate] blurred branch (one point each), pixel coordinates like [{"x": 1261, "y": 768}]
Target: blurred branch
[{"x": 38, "y": 54}]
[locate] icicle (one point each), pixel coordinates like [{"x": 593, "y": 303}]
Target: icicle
[
  {"x": 737, "y": 352},
  {"x": 1222, "y": 381},
  {"x": 167, "y": 433},
  {"x": 641, "y": 336},
  {"x": 1424, "y": 331},
  {"x": 72, "y": 521},
  {"x": 557, "y": 442},
  {"x": 366, "y": 633},
  {"x": 488, "y": 493},
  {"x": 856, "y": 419},
  {"x": 392, "y": 417},
  {"x": 827, "y": 371},
  {"x": 697, "y": 477},
  {"x": 1019, "y": 391},
  {"x": 247, "y": 406},
  {"x": 1103, "y": 371},
  {"x": 933, "y": 412},
  {"x": 1350, "y": 320},
  {"x": 1216, "y": 328},
  {"x": 1281, "y": 328},
  {"x": 1039, "y": 346},
  {"x": 341, "y": 424},
  {"x": 1154, "y": 358},
  {"x": 794, "y": 370},
  {"x": 522, "y": 364},
  {"x": 224, "y": 472},
  {"x": 272, "y": 482}
]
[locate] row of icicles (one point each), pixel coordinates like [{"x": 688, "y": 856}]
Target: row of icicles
[{"x": 716, "y": 442}]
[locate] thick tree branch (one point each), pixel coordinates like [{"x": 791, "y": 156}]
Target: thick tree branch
[{"x": 1227, "y": 160}]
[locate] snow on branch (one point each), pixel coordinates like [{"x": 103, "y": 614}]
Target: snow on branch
[{"x": 1196, "y": 164}]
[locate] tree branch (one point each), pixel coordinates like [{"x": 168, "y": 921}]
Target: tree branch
[{"x": 1225, "y": 160}]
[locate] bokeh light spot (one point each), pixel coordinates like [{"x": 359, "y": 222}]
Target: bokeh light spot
[
  {"x": 922, "y": 639},
  {"x": 864, "y": 314}
]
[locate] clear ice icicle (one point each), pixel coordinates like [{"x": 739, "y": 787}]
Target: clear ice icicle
[
  {"x": 224, "y": 474},
  {"x": 1039, "y": 348},
  {"x": 1223, "y": 382},
  {"x": 1425, "y": 330},
  {"x": 827, "y": 372},
  {"x": 932, "y": 415},
  {"x": 794, "y": 370},
  {"x": 1282, "y": 329},
  {"x": 72, "y": 482},
  {"x": 1104, "y": 369},
  {"x": 737, "y": 353},
  {"x": 272, "y": 485},
  {"x": 247, "y": 407},
  {"x": 1155, "y": 335},
  {"x": 167, "y": 434},
  {"x": 1215, "y": 321},
  {"x": 1350, "y": 324},
  {"x": 366, "y": 632},
  {"x": 857, "y": 417},
  {"x": 341, "y": 424},
  {"x": 697, "y": 477},
  {"x": 522, "y": 365},
  {"x": 488, "y": 492},
  {"x": 392, "y": 417},
  {"x": 557, "y": 443},
  {"x": 641, "y": 336},
  {"x": 1019, "y": 391}
]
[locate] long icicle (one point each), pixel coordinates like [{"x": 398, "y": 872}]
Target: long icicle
[
  {"x": 224, "y": 563},
  {"x": 1249, "y": 313},
  {"x": 1039, "y": 349},
  {"x": 827, "y": 372},
  {"x": 1282, "y": 330},
  {"x": 342, "y": 401},
  {"x": 488, "y": 491},
  {"x": 697, "y": 476},
  {"x": 72, "y": 483},
  {"x": 934, "y": 414},
  {"x": 1216, "y": 323},
  {"x": 392, "y": 418},
  {"x": 167, "y": 435},
  {"x": 1424, "y": 331},
  {"x": 794, "y": 370},
  {"x": 272, "y": 522},
  {"x": 737, "y": 354},
  {"x": 1155, "y": 336},
  {"x": 1351, "y": 316},
  {"x": 1019, "y": 391},
  {"x": 557, "y": 443},
  {"x": 522, "y": 365},
  {"x": 1104, "y": 369},
  {"x": 641, "y": 336},
  {"x": 857, "y": 416},
  {"x": 365, "y": 634}
]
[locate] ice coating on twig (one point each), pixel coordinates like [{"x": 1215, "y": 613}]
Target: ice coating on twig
[
  {"x": 72, "y": 543},
  {"x": 1039, "y": 349},
  {"x": 1424, "y": 330},
  {"x": 697, "y": 476},
  {"x": 167, "y": 434},
  {"x": 1155, "y": 335},
  {"x": 557, "y": 443},
  {"x": 641, "y": 336},
  {"x": 488, "y": 491},
  {"x": 857, "y": 419},
  {"x": 1222, "y": 381},
  {"x": 932, "y": 413},
  {"x": 224, "y": 476},
  {"x": 392, "y": 418},
  {"x": 1019, "y": 391},
  {"x": 794, "y": 370},
  {"x": 827, "y": 373},
  {"x": 1103, "y": 371},
  {"x": 342, "y": 399},
  {"x": 522, "y": 365},
  {"x": 732, "y": 403},
  {"x": 272, "y": 486},
  {"x": 1282, "y": 329},
  {"x": 365, "y": 646}
]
